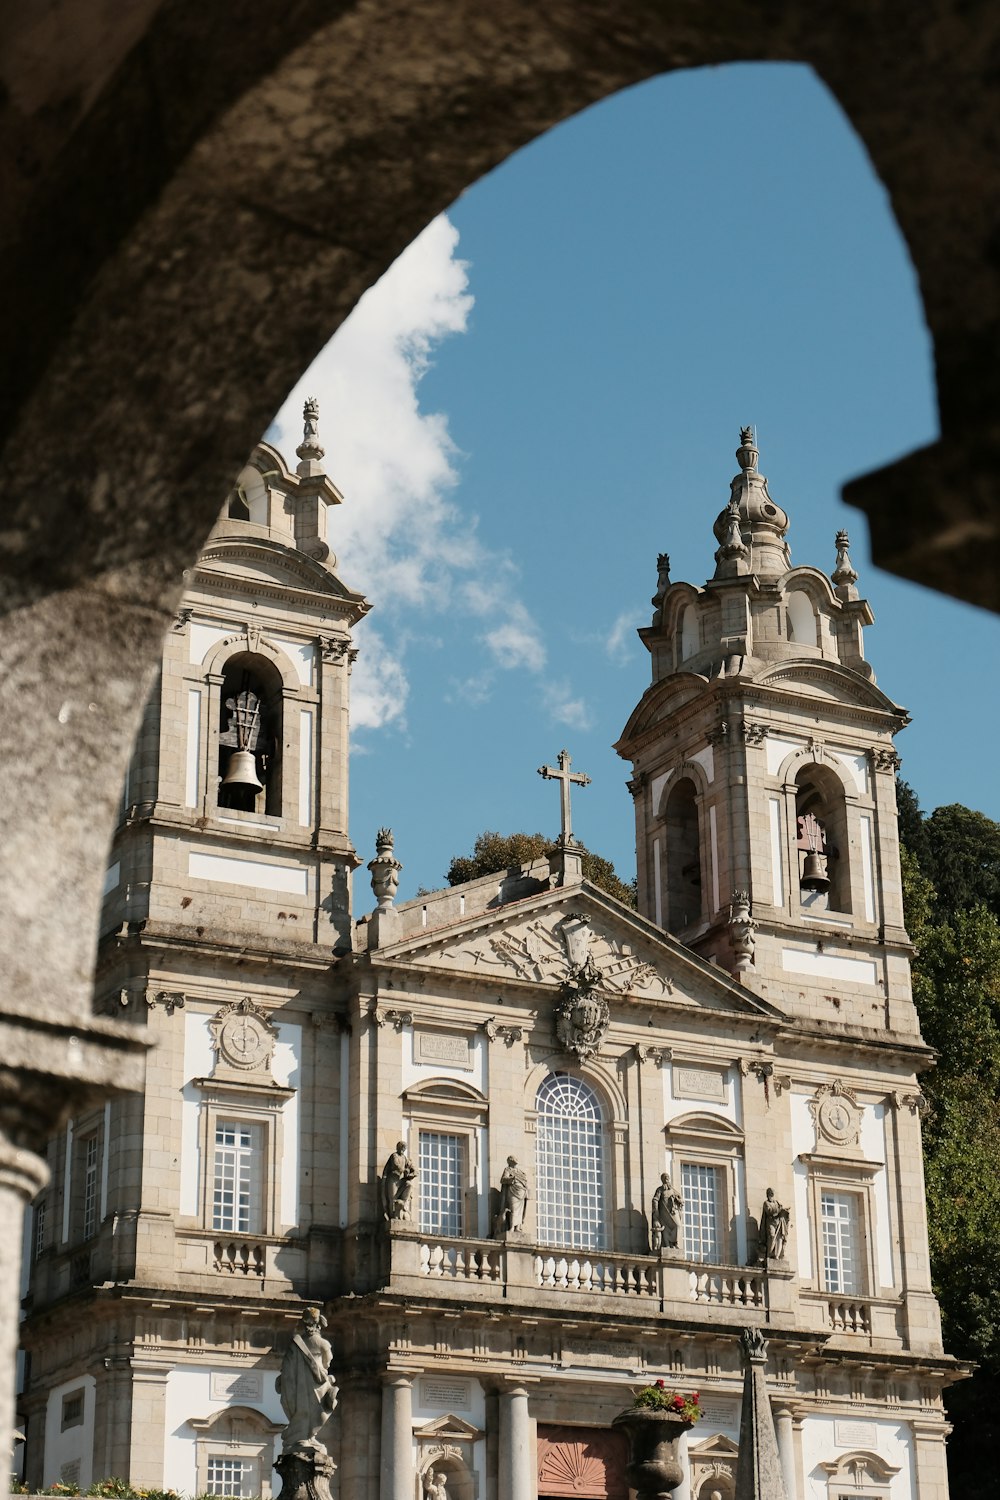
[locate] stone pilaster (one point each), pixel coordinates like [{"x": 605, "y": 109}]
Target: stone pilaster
[
  {"x": 517, "y": 1471},
  {"x": 784, "y": 1422},
  {"x": 22, "y": 1176}
]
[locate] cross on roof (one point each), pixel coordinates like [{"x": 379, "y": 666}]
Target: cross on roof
[{"x": 565, "y": 777}]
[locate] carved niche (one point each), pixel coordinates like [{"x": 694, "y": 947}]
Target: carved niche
[
  {"x": 713, "y": 1468},
  {"x": 243, "y": 1038}
]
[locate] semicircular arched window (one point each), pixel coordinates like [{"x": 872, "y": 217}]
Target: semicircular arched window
[{"x": 570, "y": 1141}]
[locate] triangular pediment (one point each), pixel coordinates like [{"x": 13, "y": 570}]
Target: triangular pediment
[
  {"x": 547, "y": 938},
  {"x": 449, "y": 1426}
]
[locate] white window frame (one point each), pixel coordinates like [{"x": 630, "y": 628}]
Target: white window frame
[
  {"x": 706, "y": 1140},
  {"x": 560, "y": 1223},
  {"x": 239, "y": 1433},
  {"x": 249, "y": 1479},
  {"x": 238, "y": 1173},
  {"x": 455, "y": 1200},
  {"x": 247, "y": 1104},
  {"x": 830, "y": 1174},
  {"x": 90, "y": 1150},
  {"x": 450, "y": 1106},
  {"x": 840, "y": 1242},
  {"x": 708, "y": 1173}
]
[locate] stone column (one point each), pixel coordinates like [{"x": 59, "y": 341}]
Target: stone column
[
  {"x": 22, "y": 1176},
  {"x": 517, "y": 1479},
  {"x": 784, "y": 1422},
  {"x": 396, "y": 1468}
]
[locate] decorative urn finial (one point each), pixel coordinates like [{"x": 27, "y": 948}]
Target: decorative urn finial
[
  {"x": 742, "y": 929},
  {"x": 384, "y": 870},
  {"x": 746, "y": 453},
  {"x": 310, "y": 447},
  {"x": 844, "y": 575}
]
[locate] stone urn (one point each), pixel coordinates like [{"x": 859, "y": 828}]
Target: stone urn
[{"x": 654, "y": 1466}]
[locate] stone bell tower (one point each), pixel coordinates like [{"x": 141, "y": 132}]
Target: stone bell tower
[{"x": 764, "y": 773}]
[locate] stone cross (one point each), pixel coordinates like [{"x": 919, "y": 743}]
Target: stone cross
[{"x": 565, "y": 777}]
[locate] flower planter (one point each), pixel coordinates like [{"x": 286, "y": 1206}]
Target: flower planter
[{"x": 654, "y": 1467}]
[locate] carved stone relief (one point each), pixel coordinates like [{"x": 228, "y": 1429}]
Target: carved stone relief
[
  {"x": 837, "y": 1114},
  {"x": 243, "y": 1037},
  {"x": 556, "y": 949}
]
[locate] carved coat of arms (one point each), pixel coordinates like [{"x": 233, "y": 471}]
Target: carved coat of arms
[{"x": 582, "y": 1014}]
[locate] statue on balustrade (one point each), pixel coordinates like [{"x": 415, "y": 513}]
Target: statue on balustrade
[
  {"x": 436, "y": 1486},
  {"x": 513, "y": 1200},
  {"x": 666, "y": 1216},
  {"x": 306, "y": 1387},
  {"x": 774, "y": 1223},
  {"x": 396, "y": 1184}
]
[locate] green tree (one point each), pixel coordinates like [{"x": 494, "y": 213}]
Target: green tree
[
  {"x": 493, "y": 852},
  {"x": 962, "y": 859}
]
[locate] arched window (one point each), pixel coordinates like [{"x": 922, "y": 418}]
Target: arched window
[
  {"x": 690, "y": 641},
  {"x": 250, "y": 735},
  {"x": 822, "y": 841},
  {"x": 801, "y": 618},
  {"x": 683, "y": 850},
  {"x": 570, "y": 1173}
]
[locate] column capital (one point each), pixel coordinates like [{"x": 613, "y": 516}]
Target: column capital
[{"x": 21, "y": 1170}]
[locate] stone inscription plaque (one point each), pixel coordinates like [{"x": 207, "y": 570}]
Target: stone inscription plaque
[
  {"x": 444, "y": 1047},
  {"x": 248, "y": 1387},
  {"x": 453, "y": 1395},
  {"x": 855, "y": 1435},
  {"x": 723, "y": 1414},
  {"x": 699, "y": 1083}
]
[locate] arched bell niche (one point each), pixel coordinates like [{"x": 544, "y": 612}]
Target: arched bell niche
[{"x": 250, "y": 735}]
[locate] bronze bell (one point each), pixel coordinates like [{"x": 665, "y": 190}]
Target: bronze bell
[
  {"x": 814, "y": 876},
  {"x": 242, "y": 771}
]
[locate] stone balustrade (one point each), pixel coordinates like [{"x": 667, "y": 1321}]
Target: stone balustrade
[
  {"x": 239, "y": 1258},
  {"x": 726, "y": 1286},
  {"x": 619, "y": 1275},
  {"x": 461, "y": 1260}
]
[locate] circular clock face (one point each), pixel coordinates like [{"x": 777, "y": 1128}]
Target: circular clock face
[
  {"x": 244, "y": 1041},
  {"x": 837, "y": 1119}
]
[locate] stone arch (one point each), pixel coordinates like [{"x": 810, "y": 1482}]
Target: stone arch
[{"x": 600, "y": 1078}]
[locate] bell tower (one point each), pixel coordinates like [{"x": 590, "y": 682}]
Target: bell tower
[
  {"x": 234, "y": 813},
  {"x": 763, "y": 773}
]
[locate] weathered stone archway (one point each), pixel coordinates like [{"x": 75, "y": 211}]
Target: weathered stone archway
[{"x": 181, "y": 179}]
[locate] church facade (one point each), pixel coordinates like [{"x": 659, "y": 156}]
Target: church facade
[{"x": 527, "y": 1148}]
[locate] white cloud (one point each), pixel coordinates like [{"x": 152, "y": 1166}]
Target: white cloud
[
  {"x": 620, "y": 637},
  {"x": 566, "y": 709},
  {"x": 398, "y": 537}
]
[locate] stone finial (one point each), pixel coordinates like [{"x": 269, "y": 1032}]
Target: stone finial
[
  {"x": 310, "y": 447},
  {"x": 662, "y": 584},
  {"x": 844, "y": 575},
  {"x": 758, "y": 1469},
  {"x": 742, "y": 929},
  {"x": 384, "y": 870},
  {"x": 732, "y": 557},
  {"x": 746, "y": 453}
]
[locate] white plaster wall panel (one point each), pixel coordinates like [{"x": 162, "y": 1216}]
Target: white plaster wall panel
[
  {"x": 105, "y": 1160},
  {"x": 193, "y": 748},
  {"x": 286, "y": 1068},
  {"x": 234, "y": 870},
  {"x": 112, "y": 877},
  {"x": 67, "y": 1180},
  {"x": 414, "y": 1071},
  {"x": 301, "y": 654},
  {"x": 345, "y": 1125},
  {"x": 656, "y": 790},
  {"x": 778, "y": 750},
  {"x": 867, "y": 868},
  {"x": 827, "y": 966},
  {"x": 713, "y": 846},
  {"x": 777, "y": 869},
  {"x": 855, "y": 765},
  {"x": 76, "y": 1444},
  {"x": 305, "y": 766},
  {"x": 803, "y": 1141},
  {"x": 202, "y": 638},
  {"x": 874, "y": 1147},
  {"x": 198, "y": 1062},
  {"x": 706, "y": 759},
  {"x": 657, "y": 883},
  {"x": 893, "y": 1442},
  {"x": 729, "y": 1108},
  {"x": 438, "y": 1394},
  {"x": 189, "y": 1394}
]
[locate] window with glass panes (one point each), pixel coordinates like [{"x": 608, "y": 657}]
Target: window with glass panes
[
  {"x": 570, "y": 1164},
  {"x": 237, "y": 1171},
  {"x": 40, "y": 1212},
  {"x": 230, "y": 1476},
  {"x": 442, "y": 1182},
  {"x": 700, "y": 1191},
  {"x": 89, "y": 1186},
  {"x": 839, "y": 1228}
]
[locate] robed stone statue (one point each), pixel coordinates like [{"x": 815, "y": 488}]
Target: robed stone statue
[
  {"x": 396, "y": 1184},
  {"x": 513, "y": 1199},
  {"x": 306, "y": 1387},
  {"x": 666, "y": 1215},
  {"x": 774, "y": 1222}
]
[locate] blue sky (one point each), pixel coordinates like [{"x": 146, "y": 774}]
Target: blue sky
[{"x": 546, "y": 390}]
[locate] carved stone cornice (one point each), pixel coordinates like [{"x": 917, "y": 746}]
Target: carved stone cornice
[
  {"x": 171, "y": 1000},
  {"x": 655, "y": 1055},
  {"x": 752, "y": 732},
  {"x": 381, "y": 1016},
  {"x": 498, "y": 1031},
  {"x": 884, "y": 758},
  {"x": 916, "y": 1102}
]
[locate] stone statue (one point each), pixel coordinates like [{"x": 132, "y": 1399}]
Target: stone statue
[
  {"x": 513, "y": 1199},
  {"x": 307, "y": 1389},
  {"x": 666, "y": 1215},
  {"x": 774, "y": 1222},
  {"x": 396, "y": 1184},
  {"x": 436, "y": 1486}
]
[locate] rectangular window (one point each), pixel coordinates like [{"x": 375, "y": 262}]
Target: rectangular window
[
  {"x": 90, "y": 1164},
  {"x": 237, "y": 1179},
  {"x": 230, "y": 1476},
  {"x": 72, "y": 1410},
  {"x": 841, "y": 1262},
  {"x": 700, "y": 1190},
  {"x": 40, "y": 1210},
  {"x": 441, "y": 1183}
]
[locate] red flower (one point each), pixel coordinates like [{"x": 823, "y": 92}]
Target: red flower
[
  {"x": 660, "y": 1385},
  {"x": 678, "y": 1403}
]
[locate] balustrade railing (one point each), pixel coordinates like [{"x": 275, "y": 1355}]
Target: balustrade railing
[
  {"x": 849, "y": 1316},
  {"x": 460, "y": 1260},
  {"x": 238, "y": 1258},
  {"x": 620, "y": 1275},
  {"x": 728, "y": 1288}
]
